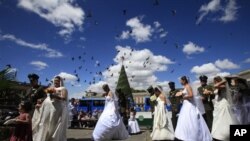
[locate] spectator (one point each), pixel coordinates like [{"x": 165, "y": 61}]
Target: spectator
[{"x": 72, "y": 112}]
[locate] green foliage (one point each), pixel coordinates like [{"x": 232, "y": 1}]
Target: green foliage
[
  {"x": 123, "y": 84},
  {"x": 4, "y": 83},
  {"x": 11, "y": 92}
]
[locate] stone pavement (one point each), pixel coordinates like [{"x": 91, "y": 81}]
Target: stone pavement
[{"x": 85, "y": 135}]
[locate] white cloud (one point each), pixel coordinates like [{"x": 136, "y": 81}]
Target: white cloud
[
  {"x": 164, "y": 34},
  {"x": 191, "y": 48},
  {"x": 205, "y": 69},
  {"x": 125, "y": 35},
  {"x": 39, "y": 65},
  {"x": 51, "y": 53},
  {"x": 212, "y": 6},
  {"x": 210, "y": 70},
  {"x": 78, "y": 95},
  {"x": 247, "y": 60},
  {"x": 82, "y": 38},
  {"x": 223, "y": 74},
  {"x": 97, "y": 87},
  {"x": 226, "y": 64},
  {"x": 69, "y": 78},
  {"x": 157, "y": 24},
  {"x": 139, "y": 77},
  {"x": 142, "y": 32},
  {"x": 230, "y": 12},
  {"x": 227, "y": 12},
  {"x": 62, "y": 13}
]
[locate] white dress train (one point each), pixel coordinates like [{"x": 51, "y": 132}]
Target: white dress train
[
  {"x": 191, "y": 126},
  {"x": 133, "y": 126},
  {"x": 50, "y": 121},
  {"x": 162, "y": 127},
  {"x": 110, "y": 125},
  {"x": 223, "y": 118}
]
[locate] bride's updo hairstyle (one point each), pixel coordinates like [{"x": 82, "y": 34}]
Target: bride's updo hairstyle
[
  {"x": 217, "y": 79},
  {"x": 185, "y": 79},
  {"x": 105, "y": 87}
]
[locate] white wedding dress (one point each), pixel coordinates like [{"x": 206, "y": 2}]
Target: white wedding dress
[
  {"x": 191, "y": 126},
  {"x": 223, "y": 117},
  {"x": 110, "y": 125},
  {"x": 50, "y": 121},
  {"x": 162, "y": 127}
]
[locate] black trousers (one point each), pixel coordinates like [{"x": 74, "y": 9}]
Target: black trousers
[
  {"x": 208, "y": 116},
  {"x": 174, "y": 119}
]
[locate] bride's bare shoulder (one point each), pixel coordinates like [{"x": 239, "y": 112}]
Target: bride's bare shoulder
[{"x": 110, "y": 94}]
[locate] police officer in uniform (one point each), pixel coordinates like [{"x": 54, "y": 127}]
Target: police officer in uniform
[
  {"x": 175, "y": 103},
  {"x": 36, "y": 94},
  {"x": 205, "y": 92}
]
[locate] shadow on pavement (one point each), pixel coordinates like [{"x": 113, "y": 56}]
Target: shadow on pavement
[
  {"x": 71, "y": 139},
  {"x": 132, "y": 134},
  {"x": 77, "y": 128}
]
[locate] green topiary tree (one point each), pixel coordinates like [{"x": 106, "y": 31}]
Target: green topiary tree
[
  {"x": 123, "y": 84},
  {"x": 125, "y": 95}
]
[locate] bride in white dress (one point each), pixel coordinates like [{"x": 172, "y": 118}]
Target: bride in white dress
[
  {"x": 162, "y": 127},
  {"x": 190, "y": 126},
  {"x": 110, "y": 125},
  {"x": 50, "y": 122},
  {"x": 223, "y": 115}
]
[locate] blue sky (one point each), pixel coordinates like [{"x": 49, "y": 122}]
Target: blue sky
[{"x": 168, "y": 38}]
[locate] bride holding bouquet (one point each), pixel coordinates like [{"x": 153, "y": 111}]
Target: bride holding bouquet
[{"x": 50, "y": 122}]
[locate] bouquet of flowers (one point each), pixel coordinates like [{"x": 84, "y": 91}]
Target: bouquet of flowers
[
  {"x": 50, "y": 90},
  {"x": 153, "y": 101}
]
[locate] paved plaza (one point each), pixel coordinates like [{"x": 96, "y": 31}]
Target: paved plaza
[{"x": 85, "y": 135}]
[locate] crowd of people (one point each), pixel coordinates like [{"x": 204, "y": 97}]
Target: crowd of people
[
  {"x": 205, "y": 114},
  {"x": 80, "y": 118}
]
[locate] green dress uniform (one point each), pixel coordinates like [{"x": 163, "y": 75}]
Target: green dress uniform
[
  {"x": 208, "y": 104},
  {"x": 175, "y": 105},
  {"x": 33, "y": 94}
]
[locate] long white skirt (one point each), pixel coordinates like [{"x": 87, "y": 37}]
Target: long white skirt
[
  {"x": 110, "y": 127},
  {"x": 223, "y": 118},
  {"x": 133, "y": 127},
  {"x": 162, "y": 128},
  {"x": 50, "y": 121},
  {"x": 191, "y": 126},
  {"x": 162, "y": 134}
]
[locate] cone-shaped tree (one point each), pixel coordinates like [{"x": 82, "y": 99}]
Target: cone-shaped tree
[{"x": 123, "y": 84}]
